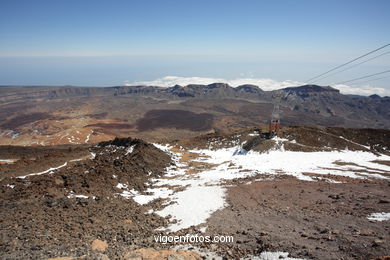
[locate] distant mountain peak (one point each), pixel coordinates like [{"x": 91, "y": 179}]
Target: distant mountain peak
[
  {"x": 375, "y": 96},
  {"x": 249, "y": 88},
  {"x": 218, "y": 85},
  {"x": 311, "y": 88}
]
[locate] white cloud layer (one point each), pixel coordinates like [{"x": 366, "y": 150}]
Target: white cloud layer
[
  {"x": 364, "y": 90},
  {"x": 265, "y": 84}
]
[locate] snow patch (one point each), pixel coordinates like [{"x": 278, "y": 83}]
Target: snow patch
[
  {"x": 382, "y": 216},
  {"x": 121, "y": 185},
  {"x": 273, "y": 256},
  {"x": 156, "y": 194},
  {"x": 79, "y": 196},
  {"x": 365, "y": 146},
  {"x": 126, "y": 194},
  {"x": 77, "y": 160},
  {"x": 15, "y": 135},
  {"x": 51, "y": 170},
  {"x": 203, "y": 229},
  {"x": 194, "y": 205},
  {"x": 7, "y": 161},
  {"x": 130, "y": 150},
  {"x": 88, "y": 137},
  {"x": 212, "y": 255}
]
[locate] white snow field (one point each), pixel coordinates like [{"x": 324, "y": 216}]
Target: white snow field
[{"x": 204, "y": 191}]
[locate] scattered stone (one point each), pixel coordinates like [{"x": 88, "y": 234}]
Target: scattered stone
[
  {"x": 323, "y": 231},
  {"x": 377, "y": 242},
  {"x": 336, "y": 231},
  {"x": 335, "y": 197},
  {"x": 366, "y": 232},
  {"x": 99, "y": 245}
]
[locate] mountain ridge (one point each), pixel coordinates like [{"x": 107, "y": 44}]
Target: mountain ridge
[
  {"x": 87, "y": 90},
  {"x": 71, "y": 114}
]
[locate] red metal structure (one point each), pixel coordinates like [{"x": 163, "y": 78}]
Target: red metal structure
[{"x": 274, "y": 127}]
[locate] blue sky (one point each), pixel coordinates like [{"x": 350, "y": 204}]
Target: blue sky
[{"x": 109, "y": 42}]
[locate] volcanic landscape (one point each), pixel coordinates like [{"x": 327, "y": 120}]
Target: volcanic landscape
[{"x": 98, "y": 173}]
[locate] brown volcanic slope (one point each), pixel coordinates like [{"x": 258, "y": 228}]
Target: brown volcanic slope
[
  {"x": 47, "y": 214},
  {"x": 38, "y": 115}
]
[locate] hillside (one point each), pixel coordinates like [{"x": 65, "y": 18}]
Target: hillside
[{"x": 311, "y": 193}]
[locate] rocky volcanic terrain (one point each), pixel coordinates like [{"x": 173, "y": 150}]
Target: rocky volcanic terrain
[
  {"x": 311, "y": 193},
  {"x": 34, "y": 115}
]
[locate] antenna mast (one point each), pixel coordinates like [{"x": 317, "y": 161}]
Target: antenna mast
[{"x": 274, "y": 125}]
